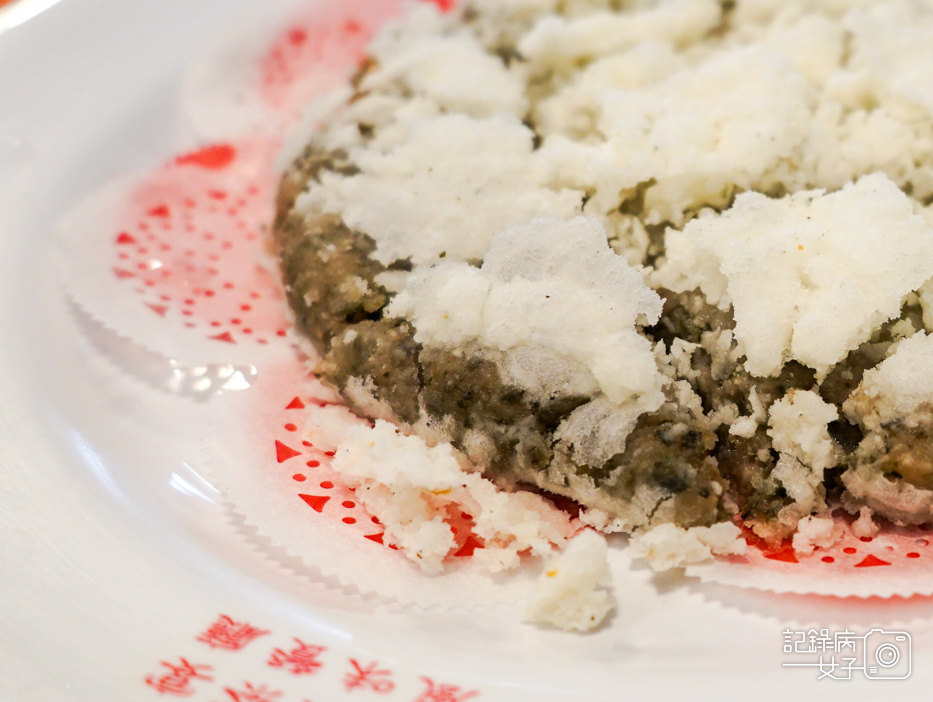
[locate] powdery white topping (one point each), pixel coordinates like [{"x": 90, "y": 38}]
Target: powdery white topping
[
  {"x": 809, "y": 276},
  {"x": 764, "y": 11},
  {"x": 696, "y": 134},
  {"x": 669, "y": 546},
  {"x": 428, "y": 57},
  {"x": 549, "y": 283},
  {"x": 446, "y": 189},
  {"x": 729, "y": 114},
  {"x": 890, "y": 51},
  {"x": 573, "y": 109},
  {"x": 410, "y": 487},
  {"x": 574, "y": 592},
  {"x": 816, "y": 532},
  {"x": 560, "y": 41},
  {"x": 900, "y": 384},
  {"x": 815, "y": 44}
]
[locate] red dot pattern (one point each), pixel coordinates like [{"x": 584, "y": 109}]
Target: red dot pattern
[
  {"x": 168, "y": 247},
  {"x": 900, "y": 552}
]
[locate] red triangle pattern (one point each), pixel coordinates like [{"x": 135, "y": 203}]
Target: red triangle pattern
[
  {"x": 283, "y": 452},
  {"x": 870, "y": 561},
  {"x": 373, "y": 537},
  {"x": 316, "y": 502},
  {"x": 215, "y": 157},
  {"x": 158, "y": 309},
  {"x": 159, "y": 211},
  {"x": 125, "y": 238},
  {"x": 295, "y": 404},
  {"x": 226, "y": 336},
  {"x": 120, "y": 273},
  {"x": 785, "y": 554}
]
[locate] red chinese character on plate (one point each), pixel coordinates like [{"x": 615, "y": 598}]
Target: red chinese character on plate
[
  {"x": 251, "y": 693},
  {"x": 228, "y": 634},
  {"x": 371, "y": 677},
  {"x": 301, "y": 659},
  {"x": 178, "y": 680},
  {"x": 444, "y": 693}
]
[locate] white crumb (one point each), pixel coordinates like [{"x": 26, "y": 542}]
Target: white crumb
[
  {"x": 575, "y": 590},
  {"x": 816, "y": 532},
  {"x": 865, "y": 527},
  {"x": 669, "y": 546}
]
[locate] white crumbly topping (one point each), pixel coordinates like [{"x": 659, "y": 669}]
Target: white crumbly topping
[
  {"x": 899, "y": 386},
  {"x": 444, "y": 191},
  {"x": 696, "y": 134},
  {"x": 669, "y": 546},
  {"x": 573, "y": 109},
  {"x": 751, "y": 12},
  {"x": 746, "y": 107},
  {"x": 429, "y": 57},
  {"x": 409, "y": 487},
  {"x": 788, "y": 95},
  {"x": 815, "y": 44},
  {"x": 816, "y": 532},
  {"x": 642, "y": 118},
  {"x": 549, "y": 283},
  {"x": 555, "y": 40},
  {"x": 574, "y": 592},
  {"x": 890, "y": 52},
  {"x": 798, "y": 426},
  {"x": 784, "y": 263}
]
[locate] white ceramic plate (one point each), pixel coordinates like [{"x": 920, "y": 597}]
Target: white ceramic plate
[{"x": 116, "y": 558}]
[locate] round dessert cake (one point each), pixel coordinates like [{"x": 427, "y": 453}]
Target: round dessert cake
[{"x": 671, "y": 260}]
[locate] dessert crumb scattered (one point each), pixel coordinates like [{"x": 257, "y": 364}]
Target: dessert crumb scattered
[
  {"x": 816, "y": 532},
  {"x": 413, "y": 489},
  {"x": 574, "y": 592},
  {"x": 669, "y": 546},
  {"x": 865, "y": 527}
]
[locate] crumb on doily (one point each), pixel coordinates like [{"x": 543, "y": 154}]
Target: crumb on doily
[
  {"x": 412, "y": 488},
  {"x": 575, "y": 590},
  {"x": 865, "y": 527},
  {"x": 668, "y": 546},
  {"x": 816, "y": 532}
]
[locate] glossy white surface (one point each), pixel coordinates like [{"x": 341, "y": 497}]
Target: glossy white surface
[{"x": 115, "y": 550}]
